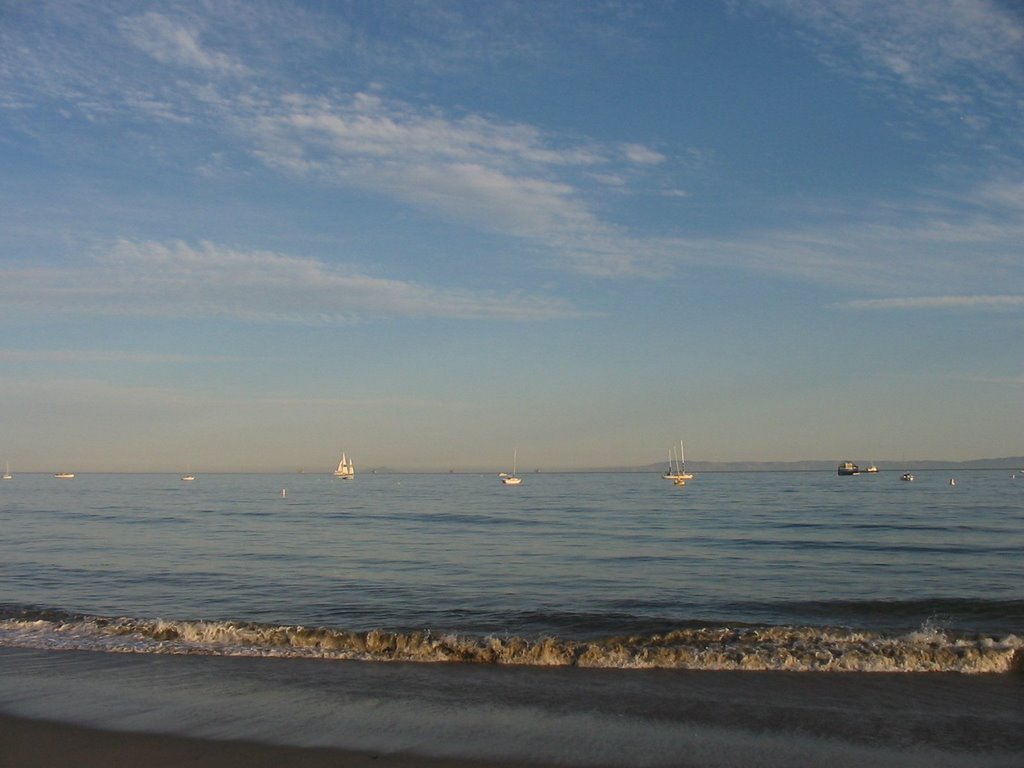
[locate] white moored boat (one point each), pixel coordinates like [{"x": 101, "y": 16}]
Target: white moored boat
[
  {"x": 512, "y": 479},
  {"x": 64, "y": 475},
  {"x": 346, "y": 469},
  {"x": 677, "y": 466}
]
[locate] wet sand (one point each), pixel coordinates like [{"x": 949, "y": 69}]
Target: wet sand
[
  {"x": 235, "y": 712},
  {"x": 41, "y": 744}
]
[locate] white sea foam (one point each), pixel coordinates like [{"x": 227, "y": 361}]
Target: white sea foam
[{"x": 794, "y": 649}]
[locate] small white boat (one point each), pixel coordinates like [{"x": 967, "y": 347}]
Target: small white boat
[
  {"x": 907, "y": 476},
  {"x": 346, "y": 469},
  {"x": 677, "y": 466},
  {"x": 64, "y": 475},
  {"x": 872, "y": 469},
  {"x": 188, "y": 478},
  {"x": 511, "y": 479},
  {"x": 7, "y": 472}
]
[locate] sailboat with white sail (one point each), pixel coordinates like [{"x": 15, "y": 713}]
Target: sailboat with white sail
[
  {"x": 512, "y": 479},
  {"x": 346, "y": 469},
  {"x": 7, "y": 472},
  {"x": 677, "y": 465}
]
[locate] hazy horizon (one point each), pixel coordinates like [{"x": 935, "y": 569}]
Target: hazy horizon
[
  {"x": 257, "y": 235},
  {"x": 885, "y": 465}
]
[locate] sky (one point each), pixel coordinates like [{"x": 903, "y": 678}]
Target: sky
[{"x": 250, "y": 235}]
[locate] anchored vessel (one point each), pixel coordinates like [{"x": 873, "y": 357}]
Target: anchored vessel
[
  {"x": 677, "y": 467},
  {"x": 512, "y": 479}
]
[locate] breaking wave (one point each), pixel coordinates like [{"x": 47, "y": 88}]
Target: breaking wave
[{"x": 753, "y": 648}]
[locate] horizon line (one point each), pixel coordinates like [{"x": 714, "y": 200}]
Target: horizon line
[{"x": 724, "y": 467}]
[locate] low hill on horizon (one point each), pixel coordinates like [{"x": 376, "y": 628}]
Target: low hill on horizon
[{"x": 1006, "y": 462}]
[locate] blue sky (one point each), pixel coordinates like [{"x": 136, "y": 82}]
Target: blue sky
[{"x": 251, "y": 235}]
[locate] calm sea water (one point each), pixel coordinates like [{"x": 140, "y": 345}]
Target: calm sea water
[
  {"x": 550, "y": 587},
  {"x": 574, "y": 555}
]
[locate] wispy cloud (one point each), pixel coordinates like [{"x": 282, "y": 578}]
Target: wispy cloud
[
  {"x": 961, "y": 57},
  {"x": 470, "y": 168},
  {"x": 937, "y": 302},
  {"x": 506, "y": 178},
  {"x": 637, "y": 153},
  {"x": 943, "y": 241},
  {"x": 174, "y": 43},
  {"x": 519, "y": 180},
  {"x": 516, "y": 180},
  {"x": 509, "y": 178},
  {"x": 177, "y": 279}
]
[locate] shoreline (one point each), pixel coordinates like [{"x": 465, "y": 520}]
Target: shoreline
[
  {"x": 95, "y": 710},
  {"x": 35, "y": 743}
]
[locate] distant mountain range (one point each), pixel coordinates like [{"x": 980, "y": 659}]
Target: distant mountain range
[{"x": 1007, "y": 462}]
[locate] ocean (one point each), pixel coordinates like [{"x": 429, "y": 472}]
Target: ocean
[{"x": 577, "y": 619}]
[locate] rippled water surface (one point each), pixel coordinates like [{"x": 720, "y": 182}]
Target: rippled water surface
[
  {"x": 572, "y": 554},
  {"x": 614, "y": 619}
]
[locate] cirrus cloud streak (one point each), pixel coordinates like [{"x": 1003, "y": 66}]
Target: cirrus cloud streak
[
  {"x": 937, "y": 302},
  {"x": 209, "y": 280}
]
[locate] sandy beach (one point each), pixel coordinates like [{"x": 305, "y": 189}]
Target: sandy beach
[
  {"x": 41, "y": 744},
  {"x": 153, "y": 710}
]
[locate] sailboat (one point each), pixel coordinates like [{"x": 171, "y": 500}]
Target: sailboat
[
  {"x": 188, "y": 477},
  {"x": 7, "y": 472},
  {"x": 512, "y": 479},
  {"x": 346, "y": 469},
  {"x": 677, "y": 467}
]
